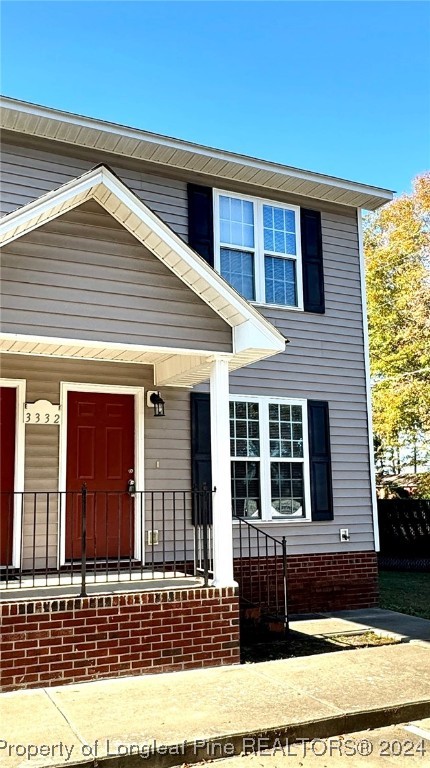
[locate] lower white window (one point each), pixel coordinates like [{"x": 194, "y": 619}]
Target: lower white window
[{"x": 269, "y": 458}]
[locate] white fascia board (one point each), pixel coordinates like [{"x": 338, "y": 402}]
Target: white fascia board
[
  {"x": 57, "y": 199},
  {"x": 247, "y": 335},
  {"x": 185, "y": 147},
  {"x": 372, "y": 468}
]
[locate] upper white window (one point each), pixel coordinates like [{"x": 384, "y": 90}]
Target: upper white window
[{"x": 257, "y": 248}]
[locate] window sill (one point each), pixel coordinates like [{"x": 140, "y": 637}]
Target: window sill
[
  {"x": 259, "y": 522},
  {"x": 286, "y": 307}
]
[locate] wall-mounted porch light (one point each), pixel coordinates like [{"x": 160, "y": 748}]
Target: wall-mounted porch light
[{"x": 155, "y": 400}]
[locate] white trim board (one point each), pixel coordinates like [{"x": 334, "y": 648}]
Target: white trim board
[
  {"x": 368, "y": 385},
  {"x": 139, "y": 474},
  {"x": 20, "y": 386}
]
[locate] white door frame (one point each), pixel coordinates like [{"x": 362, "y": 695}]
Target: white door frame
[
  {"x": 139, "y": 405},
  {"x": 20, "y": 386}
]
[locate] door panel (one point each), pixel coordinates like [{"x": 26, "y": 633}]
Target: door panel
[
  {"x": 7, "y": 477},
  {"x": 100, "y": 453}
]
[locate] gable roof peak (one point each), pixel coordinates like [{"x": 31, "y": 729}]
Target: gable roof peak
[{"x": 251, "y": 331}]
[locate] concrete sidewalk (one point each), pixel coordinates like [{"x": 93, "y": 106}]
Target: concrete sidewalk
[{"x": 308, "y": 697}]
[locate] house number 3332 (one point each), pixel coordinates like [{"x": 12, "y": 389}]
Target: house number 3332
[{"x": 41, "y": 412}]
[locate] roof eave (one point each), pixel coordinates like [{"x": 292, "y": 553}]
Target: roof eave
[{"x": 31, "y": 119}]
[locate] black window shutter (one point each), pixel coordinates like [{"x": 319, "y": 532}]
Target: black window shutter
[
  {"x": 201, "y": 470},
  {"x": 200, "y": 221},
  {"x": 312, "y": 261},
  {"x": 320, "y": 460}
]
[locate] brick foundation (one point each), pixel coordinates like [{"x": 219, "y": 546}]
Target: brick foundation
[
  {"x": 327, "y": 582},
  {"x": 52, "y": 642},
  {"x": 332, "y": 582}
]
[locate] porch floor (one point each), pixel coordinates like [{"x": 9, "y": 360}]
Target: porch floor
[{"x": 56, "y": 585}]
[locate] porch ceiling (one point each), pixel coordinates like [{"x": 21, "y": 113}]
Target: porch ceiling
[{"x": 172, "y": 367}]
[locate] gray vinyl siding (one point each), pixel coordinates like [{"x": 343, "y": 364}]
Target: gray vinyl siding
[
  {"x": 325, "y": 357},
  {"x": 325, "y": 361},
  {"x": 166, "y": 440},
  {"x": 29, "y": 172},
  {"x": 84, "y": 276}
]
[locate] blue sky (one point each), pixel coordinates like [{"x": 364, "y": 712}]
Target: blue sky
[{"x": 337, "y": 87}]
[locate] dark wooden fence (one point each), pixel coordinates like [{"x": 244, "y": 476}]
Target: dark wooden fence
[{"x": 404, "y": 529}]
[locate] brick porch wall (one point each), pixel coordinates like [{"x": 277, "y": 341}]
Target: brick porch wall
[
  {"x": 52, "y": 642},
  {"x": 327, "y": 582}
]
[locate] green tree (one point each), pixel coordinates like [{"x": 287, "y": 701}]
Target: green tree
[{"x": 397, "y": 252}]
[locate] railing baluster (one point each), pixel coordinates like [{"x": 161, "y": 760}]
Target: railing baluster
[
  {"x": 60, "y": 512},
  {"x": 163, "y": 532},
  {"x": 105, "y": 508},
  {"x": 74, "y": 514},
  {"x": 94, "y": 506},
  {"x": 142, "y": 522},
  {"x": 84, "y": 541},
  {"x": 21, "y": 537},
  {"x": 119, "y": 497},
  {"x": 258, "y": 567},
  {"x": 240, "y": 548},
  {"x": 250, "y": 562},
  {"x": 9, "y": 504},
  {"x": 184, "y": 504},
  {"x": 174, "y": 533},
  {"x": 131, "y": 515},
  {"x": 47, "y": 539},
  {"x": 205, "y": 539},
  {"x": 34, "y": 537},
  {"x": 284, "y": 573},
  {"x": 152, "y": 533},
  {"x": 195, "y": 501}
]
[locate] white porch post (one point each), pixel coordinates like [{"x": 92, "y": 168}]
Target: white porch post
[{"x": 221, "y": 475}]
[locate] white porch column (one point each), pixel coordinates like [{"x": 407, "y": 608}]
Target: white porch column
[{"x": 222, "y": 530}]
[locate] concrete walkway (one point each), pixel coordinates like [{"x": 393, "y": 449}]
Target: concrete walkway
[
  {"x": 308, "y": 697},
  {"x": 386, "y": 623}
]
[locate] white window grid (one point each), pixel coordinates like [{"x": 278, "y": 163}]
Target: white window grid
[
  {"x": 258, "y": 251},
  {"x": 292, "y": 440},
  {"x": 265, "y": 460}
]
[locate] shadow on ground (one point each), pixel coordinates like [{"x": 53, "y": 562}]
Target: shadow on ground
[{"x": 257, "y": 646}]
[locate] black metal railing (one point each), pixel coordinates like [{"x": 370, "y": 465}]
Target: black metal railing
[
  {"x": 91, "y": 537},
  {"x": 260, "y": 568}
]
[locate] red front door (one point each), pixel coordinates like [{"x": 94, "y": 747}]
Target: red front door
[
  {"x": 100, "y": 453},
  {"x": 7, "y": 478}
]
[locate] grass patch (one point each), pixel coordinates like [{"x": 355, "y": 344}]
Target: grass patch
[
  {"x": 406, "y": 592},
  {"x": 367, "y": 639}
]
